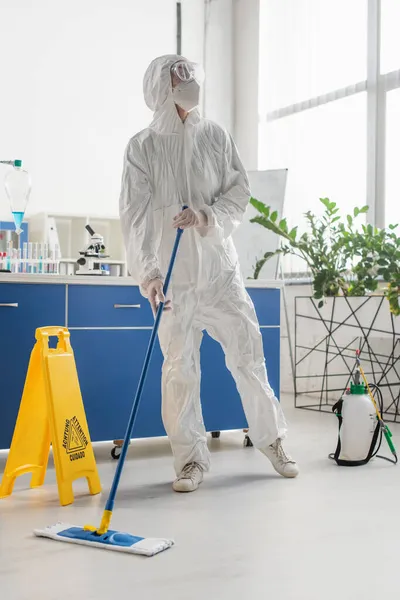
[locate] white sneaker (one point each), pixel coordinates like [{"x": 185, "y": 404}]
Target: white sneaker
[
  {"x": 282, "y": 463},
  {"x": 189, "y": 479}
]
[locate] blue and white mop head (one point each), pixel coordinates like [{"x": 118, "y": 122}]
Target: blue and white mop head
[{"x": 112, "y": 540}]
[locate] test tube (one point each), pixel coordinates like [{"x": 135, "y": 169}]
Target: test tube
[
  {"x": 24, "y": 256},
  {"x": 9, "y": 255},
  {"x": 12, "y": 260},
  {"x": 57, "y": 259},
  {"x": 40, "y": 258},
  {"x": 51, "y": 260},
  {"x": 45, "y": 258},
  {"x": 35, "y": 257},
  {"x": 30, "y": 255}
]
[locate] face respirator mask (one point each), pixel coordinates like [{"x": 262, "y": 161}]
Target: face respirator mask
[
  {"x": 186, "y": 78},
  {"x": 187, "y": 95}
]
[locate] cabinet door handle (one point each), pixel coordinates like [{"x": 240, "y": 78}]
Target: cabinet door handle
[
  {"x": 9, "y": 304},
  {"x": 126, "y": 305}
]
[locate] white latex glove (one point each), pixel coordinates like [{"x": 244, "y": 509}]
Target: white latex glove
[
  {"x": 189, "y": 218},
  {"x": 155, "y": 295}
]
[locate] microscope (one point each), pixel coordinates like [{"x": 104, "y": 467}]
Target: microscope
[{"x": 91, "y": 259}]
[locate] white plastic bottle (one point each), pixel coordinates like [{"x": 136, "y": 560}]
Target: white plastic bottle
[
  {"x": 18, "y": 187},
  {"x": 359, "y": 424}
]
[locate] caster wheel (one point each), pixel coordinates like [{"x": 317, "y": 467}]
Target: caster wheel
[
  {"x": 116, "y": 452},
  {"x": 215, "y": 434},
  {"x": 247, "y": 443}
]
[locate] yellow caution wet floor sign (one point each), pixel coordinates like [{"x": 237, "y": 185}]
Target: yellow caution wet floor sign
[{"x": 52, "y": 412}]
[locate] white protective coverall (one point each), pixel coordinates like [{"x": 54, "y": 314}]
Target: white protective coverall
[{"x": 167, "y": 165}]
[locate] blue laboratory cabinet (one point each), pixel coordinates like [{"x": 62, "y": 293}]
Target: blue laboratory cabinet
[{"x": 110, "y": 327}]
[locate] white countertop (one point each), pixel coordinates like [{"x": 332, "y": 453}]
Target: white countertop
[{"x": 104, "y": 280}]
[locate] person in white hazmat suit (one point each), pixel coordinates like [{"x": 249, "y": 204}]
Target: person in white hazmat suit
[{"x": 183, "y": 159}]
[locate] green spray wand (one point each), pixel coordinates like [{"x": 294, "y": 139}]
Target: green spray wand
[{"x": 385, "y": 429}]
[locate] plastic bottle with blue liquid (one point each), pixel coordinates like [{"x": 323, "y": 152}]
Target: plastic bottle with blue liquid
[{"x": 18, "y": 187}]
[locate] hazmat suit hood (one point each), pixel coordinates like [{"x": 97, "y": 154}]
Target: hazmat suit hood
[{"x": 157, "y": 91}]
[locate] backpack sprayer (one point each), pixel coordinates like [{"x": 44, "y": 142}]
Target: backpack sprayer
[{"x": 361, "y": 426}]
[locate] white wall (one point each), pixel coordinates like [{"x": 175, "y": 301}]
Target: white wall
[
  {"x": 72, "y": 93},
  {"x": 193, "y": 12},
  {"x": 218, "y": 63},
  {"x": 246, "y": 70},
  {"x": 231, "y": 65},
  {"x": 72, "y": 87}
]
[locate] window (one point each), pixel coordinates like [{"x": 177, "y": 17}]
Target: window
[
  {"x": 324, "y": 150},
  {"x": 313, "y": 93},
  {"x": 309, "y": 47},
  {"x": 392, "y": 192}
]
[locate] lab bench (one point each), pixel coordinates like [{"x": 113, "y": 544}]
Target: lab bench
[{"x": 110, "y": 325}]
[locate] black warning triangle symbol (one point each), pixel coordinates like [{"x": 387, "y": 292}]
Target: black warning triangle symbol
[{"x": 75, "y": 441}]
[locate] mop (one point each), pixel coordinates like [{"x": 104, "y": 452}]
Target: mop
[{"x": 103, "y": 537}]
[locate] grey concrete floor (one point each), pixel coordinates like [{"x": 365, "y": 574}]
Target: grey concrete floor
[{"x": 331, "y": 534}]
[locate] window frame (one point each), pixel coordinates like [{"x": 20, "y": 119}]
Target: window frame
[{"x": 377, "y": 85}]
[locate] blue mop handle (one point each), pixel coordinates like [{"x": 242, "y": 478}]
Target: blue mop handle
[{"x": 139, "y": 391}]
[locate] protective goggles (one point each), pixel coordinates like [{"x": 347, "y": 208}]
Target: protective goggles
[{"x": 187, "y": 71}]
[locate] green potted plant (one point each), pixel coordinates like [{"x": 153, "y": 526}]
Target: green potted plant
[{"x": 342, "y": 258}]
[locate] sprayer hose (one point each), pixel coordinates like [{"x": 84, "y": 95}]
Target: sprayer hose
[{"x": 379, "y": 398}]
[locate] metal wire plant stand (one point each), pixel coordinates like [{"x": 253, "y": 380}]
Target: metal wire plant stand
[{"x": 326, "y": 340}]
